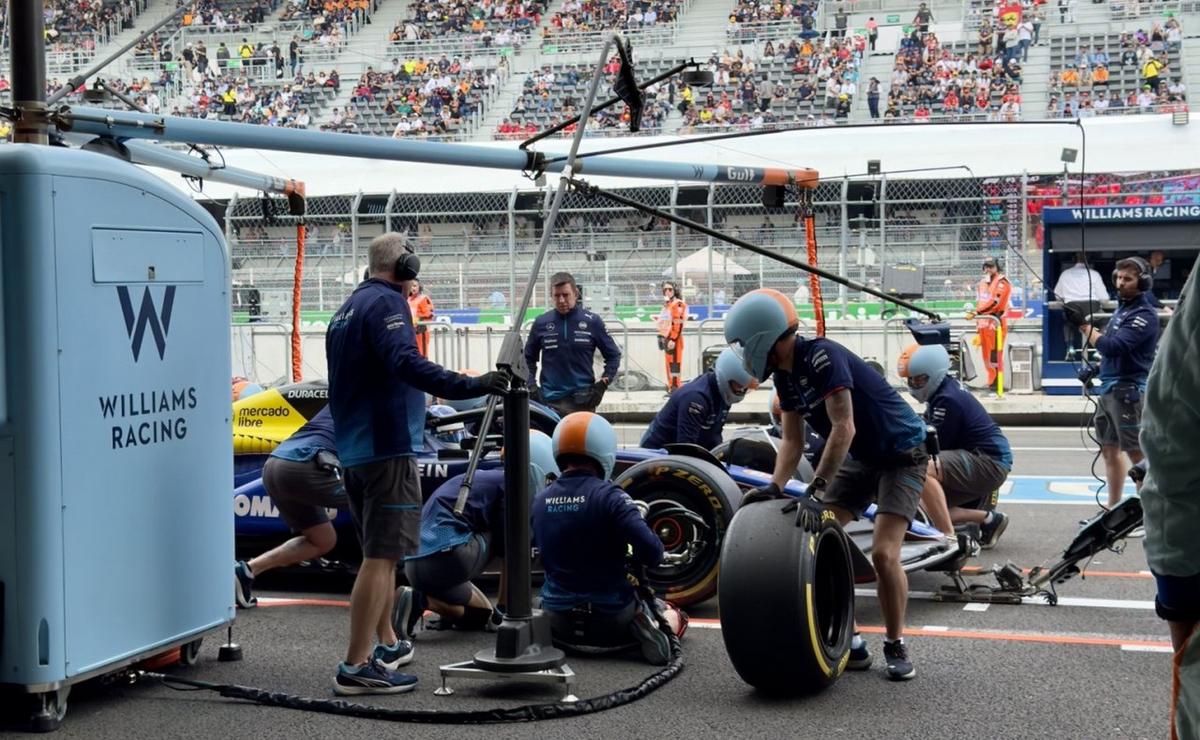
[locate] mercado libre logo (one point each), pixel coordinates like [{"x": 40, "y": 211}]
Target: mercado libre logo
[{"x": 149, "y": 316}]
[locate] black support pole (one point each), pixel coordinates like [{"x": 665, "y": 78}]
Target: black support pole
[{"x": 26, "y": 30}]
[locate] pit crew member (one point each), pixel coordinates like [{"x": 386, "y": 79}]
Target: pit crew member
[
  {"x": 857, "y": 412},
  {"x": 566, "y": 340},
  {"x": 586, "y": 529},
  {"x": 696, "y": 413},
  {"x": 962, "y": 485},
  {"x": 377, "y": 386}
]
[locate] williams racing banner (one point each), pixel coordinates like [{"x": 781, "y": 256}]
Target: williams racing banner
[{"x": 1143, "y": 213}]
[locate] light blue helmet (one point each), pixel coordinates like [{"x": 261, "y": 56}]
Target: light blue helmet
[
  {"x": 541, "y": 460},
  {"x": 930, "y": 360},
  {"x": 588, "y": 435},
  {"x": 729, "y": 369},
  {"x": 756, "y": 322}
]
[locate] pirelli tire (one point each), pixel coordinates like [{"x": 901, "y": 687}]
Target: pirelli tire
[
  {"x": 786, "y": 600},
  {"x": 691, "y": 501}
]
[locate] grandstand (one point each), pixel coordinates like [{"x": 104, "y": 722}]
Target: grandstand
[{"x": 520, "y": 64}]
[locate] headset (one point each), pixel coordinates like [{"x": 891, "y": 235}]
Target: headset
[
  {"x": 407, "y": 267},
  {"x": 1145, "y": 274}
]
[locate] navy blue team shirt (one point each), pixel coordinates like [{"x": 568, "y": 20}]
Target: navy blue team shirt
[
  {"x": 442, "y": 530},
  {"x": 308, "y": 440},
  {"x": 583, "y": 526},
  {"x": 1128, "y": 344},
  {"x": 567, "y": 345},
  {"x": 695, "y": 414},
  {"x": 885, "y": 426},
  {"x": 378, "y": 379},
  {"x": 963, "y": 424}
]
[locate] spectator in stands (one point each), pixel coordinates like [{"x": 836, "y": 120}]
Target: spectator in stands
[
  {"x": 840, "y": 19},
  {"x": 873, "y": 97},
  {"x": 922, "y": 19},
  {"x": 1152, "y": 71},
  {"x": 872, "y": 33},
  {"x": 1025, "y": 36}
]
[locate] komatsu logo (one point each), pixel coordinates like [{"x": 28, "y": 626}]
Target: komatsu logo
[{"x": 148, "y": 316}]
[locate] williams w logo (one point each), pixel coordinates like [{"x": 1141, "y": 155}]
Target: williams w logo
[{"x": 148, "y": 316}]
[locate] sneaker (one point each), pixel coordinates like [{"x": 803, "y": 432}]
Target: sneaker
[
  {"x": 990, "y": 531},
  {"x": 860, "y": 656},
  {"x": 408, "y": 611},
  {"x": 899, "y": 667},
  {"x": 394, "y": 656},
  {"x": 372, "y": 678},
  {"x": 243, "y": 585},
  {"x": 656, "y": 648},
  {"x": 1136, "y": 533}
]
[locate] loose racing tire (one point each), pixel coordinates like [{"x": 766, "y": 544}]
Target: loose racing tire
[
  {"x": 691, "y": 501},
  {"x": 786, "y": 600}
]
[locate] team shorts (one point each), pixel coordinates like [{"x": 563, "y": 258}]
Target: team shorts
[
  {"x": 1118, "y": 417},
  {"x": 385, "y": 503},
  {"x": 447, "y": 575},
  {"x": 971, "y": 478},
  {"x": 302, "y": 491},
  {"x": 895, "y": 488}
]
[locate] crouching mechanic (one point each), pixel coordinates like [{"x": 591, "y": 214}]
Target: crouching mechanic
[
  {"x": 856, "y": 411},
  {"x": 587, "y": 529},
  {"x": 962, "y": 485},
  {"x": 303, "y": 477},
  {"x": 455, "y": 549},
  {"x": 566, "y": 340},
  {"x": 695, "y": 414}
]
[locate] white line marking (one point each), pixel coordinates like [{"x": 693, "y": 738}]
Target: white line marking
[
  {"x": 1080, "y": 601},
  {"x": 1053, "y": 449},
  {"x": 1146, "y": 649},
  {"x": 1041, "y": 502},
  {"x": 935, "y": 628},
  {"x": 976, "y": 607},
  {"x": 704, "y": 625}
]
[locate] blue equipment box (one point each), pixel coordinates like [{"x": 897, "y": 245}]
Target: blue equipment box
[{"x": 116, "y": 459}]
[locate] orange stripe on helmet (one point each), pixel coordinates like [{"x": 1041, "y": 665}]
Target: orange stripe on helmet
[
  {"x": 789, "y": 308},
  {"x": 572, "y": 433},
  {"x": 905, "y": 358}
]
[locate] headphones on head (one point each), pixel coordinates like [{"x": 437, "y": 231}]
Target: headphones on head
[
  {"x": 1145, "y": 274},
  {"x": 408, "y": 266}
]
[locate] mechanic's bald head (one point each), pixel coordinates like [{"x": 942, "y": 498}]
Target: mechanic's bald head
[{"x": 385, "y": 249}]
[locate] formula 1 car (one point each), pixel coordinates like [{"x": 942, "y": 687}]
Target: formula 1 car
[{"x": 691, "y": 494}]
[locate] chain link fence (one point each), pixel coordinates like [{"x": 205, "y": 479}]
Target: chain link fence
[{"x": 924, "y": 239}]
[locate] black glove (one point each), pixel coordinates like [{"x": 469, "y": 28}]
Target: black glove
[
  {"x": 598, "y": 390},
  {"x": 535, "y": 394},
  {"x": 809, "y": 513},
  {"x": 495, "y": 383},
  {"x": 762, "y": 493}
]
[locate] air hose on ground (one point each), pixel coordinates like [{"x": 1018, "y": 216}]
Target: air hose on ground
[{"x": 526, "y": 713}]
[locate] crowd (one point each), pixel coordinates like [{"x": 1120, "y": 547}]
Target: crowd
[
  {"x": 236, "y": 98},
  {"x": 931, "y": 80},
  {"x": 748, "y": 14},
  {"x": 499, "y": 23},
  {"x": 820, "y": 77},
  {"x": 333, "y": 21},
  {"x": 582, "y": 16},
  {"x": 551, "y": 95},
  {"x": 422, "y": 96},
  {"x": 1085, "y": 88}
]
